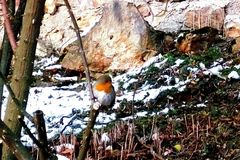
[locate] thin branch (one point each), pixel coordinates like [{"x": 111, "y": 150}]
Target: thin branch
[
  {"x": 15, "y": 100},
  {"x": 8, "y": 26},
  {"x": 45, "y": 150},
  {"x": 69, "y": 123},
  {"x": 93, "y": 113},
  {"x": 87, "y": 135},
  {"x": 81, "y": 50},
  {"x": 13, "y": 143},
  {"x": 27, "y": 130}
]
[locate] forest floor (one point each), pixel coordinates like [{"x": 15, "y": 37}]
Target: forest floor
[
  {"x": 202, "y": 122},
  {"x": 176, "y": 106}
]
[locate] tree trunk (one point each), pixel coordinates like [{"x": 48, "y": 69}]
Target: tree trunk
[
  {"x": 23, "y": 67},
  {"x": 6, "y": 53}
]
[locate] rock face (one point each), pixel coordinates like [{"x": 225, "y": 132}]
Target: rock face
[
  {"x": 120, "y": 40},
  {"x": 232, "y": 19},
  {"x": 197, "y": 41},
  {"x": 205, "y": 17},
  {"x": 189, "y": 14},
  {"x": 196, "y": 14}
]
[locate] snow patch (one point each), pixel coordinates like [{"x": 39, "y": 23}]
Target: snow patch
[{"x": 233, "y": 75}]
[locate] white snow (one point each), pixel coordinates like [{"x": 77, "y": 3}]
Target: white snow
[
  {"x": 178, "y": 62},
  {"x": 201, "y": 105},
  {"x": 60, "y": 157},
  {"x": 105, "y": 137},
  {"x": 233, "y": 75},
  {"x": 61, "y": 104},
  {"x": 60, "y": 78},
  {"x": 57, "y": 66},
  {"x": 216, "y": 70},
  {"x": 202, "y": 65},
  {"x": 237, "y": 66},
  {"x": 206, "y": 3},
  {"x": 164, "y": 111}
]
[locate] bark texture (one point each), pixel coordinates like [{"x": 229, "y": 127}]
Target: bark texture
[{"x": 23, "y": 67}]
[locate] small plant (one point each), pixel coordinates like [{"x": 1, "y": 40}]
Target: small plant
[
  {"x": 171, "y": 58},
  {"x": 212, "y": 54},
  {"x": 227, "y": 71},
  {"x": 215, "y": 112},
  {"x": 120, "y": 85}
]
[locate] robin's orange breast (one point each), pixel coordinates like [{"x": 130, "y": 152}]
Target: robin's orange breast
[{"x": 106, "y": 87}]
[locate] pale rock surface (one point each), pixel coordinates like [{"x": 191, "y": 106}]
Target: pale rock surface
[
  {"x": 57, "y": 30},
  {"x": 205, "y": 17},
  {"x": 232, "y": 19},
  {"x": 169, "y": 20},
  {"x": 236, "y": 46},
  {"x": 119, "y": 41},
  {"x": 189, "y": 15}
]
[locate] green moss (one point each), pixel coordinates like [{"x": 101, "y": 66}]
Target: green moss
[
  {"x": 209, "y": 149},
  {"x": 171, "y": 58},
  {"x": 151, "y": 70},
  {"x": 124, "y": 109},
  {"x": 120, "y": 85},
  {"x": 215, "y": 111},
  {"x": 227, "y": 71},
  {"x": 212, "y": 54},
  {"x": 178, "y": 126}
]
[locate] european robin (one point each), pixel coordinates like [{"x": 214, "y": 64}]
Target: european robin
[{"x": 104, "y": 92}]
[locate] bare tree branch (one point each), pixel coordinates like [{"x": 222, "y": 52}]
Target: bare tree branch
[
  {"x": 93, "y": 113},
  {"x": 15, "y": 100},
  {"x": 8, "y": 26},
  {"x": 13, "y": 143},
  {"x": 27, "y": 130},
  {"x": 81, "y": 50}
]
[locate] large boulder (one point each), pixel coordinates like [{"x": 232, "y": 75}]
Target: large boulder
[
  {"x": 122, "y": 39},
  {"x": 205, "y": 17},
  {"x": 232, "y": 20},
  {"x": 188, "y": 14}
]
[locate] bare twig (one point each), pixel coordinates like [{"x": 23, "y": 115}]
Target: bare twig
[
  {"x": 69, "y": 123},
  {"x": 164, "y": 11},
  {"x": 81, "y": 50},
  {"x": 150, "y": 148},
  {"x": 43, "y": 149},
  {"x": 8, "y": 26},
  {"x": 15, "y": 100},
  {"x": 93, "y": 113},
  {"x": 186, "y": 124},
  {"x": 13, "y": 143},
  {"x": 88, "y": 134},
  {"x": 27, "y": 130}
]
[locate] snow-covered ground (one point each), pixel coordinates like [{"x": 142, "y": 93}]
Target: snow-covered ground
[{"x": 66, "y": 108}]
